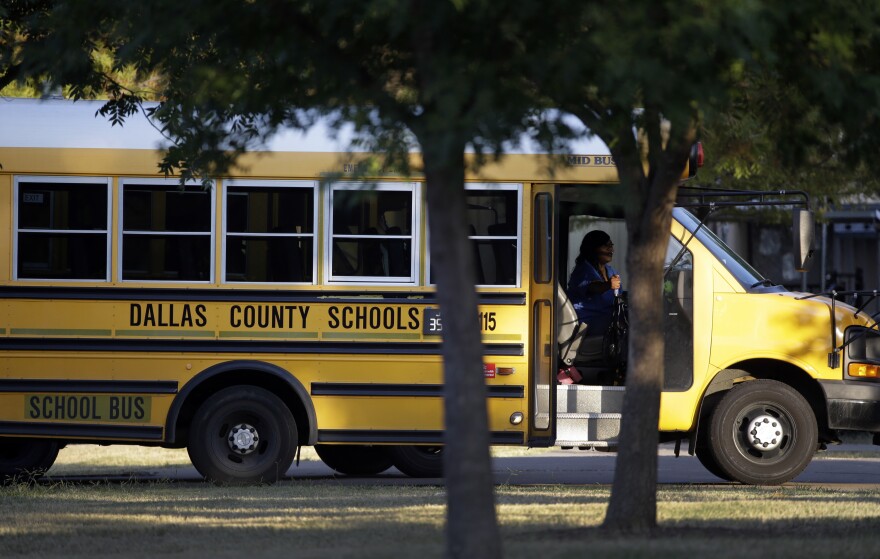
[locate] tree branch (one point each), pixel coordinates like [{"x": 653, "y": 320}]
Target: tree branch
[{"x": 10, "y": 75}]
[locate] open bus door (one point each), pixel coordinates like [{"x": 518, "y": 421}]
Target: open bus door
[{"x": 542, "y": 330}]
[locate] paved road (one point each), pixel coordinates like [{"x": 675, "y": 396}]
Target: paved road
[
  {"x": 589, "y": 467},
  {"x": 837, "y": 467}
]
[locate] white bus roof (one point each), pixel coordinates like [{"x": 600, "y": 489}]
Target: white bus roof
[{"x": 61, "y": 123}]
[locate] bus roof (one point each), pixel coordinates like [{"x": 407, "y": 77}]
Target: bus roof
[{"x": 62, "y": 123}]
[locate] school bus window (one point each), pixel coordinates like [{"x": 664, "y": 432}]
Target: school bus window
[
  {"x": 493, "y": 228},
  {"x": 166, "y": 232},
  {"x": 62, "y": 229},
  {"x": 270, "y": 233},
  {"x": 372, "y": 233},
  {"x": 678, "y": 316},
  {"x": 543, "y": 238}
]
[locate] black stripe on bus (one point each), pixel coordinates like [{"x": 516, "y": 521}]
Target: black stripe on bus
[
  {"x": 81, "y": 431},
  {"x": 405, "y": 437},
  {"x": 243, "y": 295},
  {"x": 240, "y": 346},
  {"x": 417, "y": 390},
  {"x": 89, "y": 386}
]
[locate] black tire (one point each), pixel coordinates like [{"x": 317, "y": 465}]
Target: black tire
[
  {"x": 26, "y": 459},
  {"x": 703, "y": 450},
  {"x": 707, "y": 459},
  {"x": 355, "y": 460},
  {"x": 243, "y": 435},
  {"x": 418, "y": 461},
  {"x": 762, "y": 432}
]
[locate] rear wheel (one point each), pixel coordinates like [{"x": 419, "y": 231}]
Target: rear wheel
[
  {"x": 243, "y": 435},
  {"x": 355, "y": 460},
  {"x": 762, "y": 432},
  {"x": 26, "y": 459},
  {"x": 418, "y": 461}
]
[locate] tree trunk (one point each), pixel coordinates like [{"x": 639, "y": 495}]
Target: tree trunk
[
  {"x": 633, "y": 505},
  {"x": 471, "y": 527}
]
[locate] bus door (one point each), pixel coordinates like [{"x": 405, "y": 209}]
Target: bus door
[{"x": 542, "y": 290}]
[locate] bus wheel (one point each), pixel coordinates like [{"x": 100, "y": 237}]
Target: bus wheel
[
  {"x": 354, "y": 460},
  {"x": 762, "y": 432},
  {"x": 418, "y": 461},
  {"x": 243, "y": 435},
  {"x": 26, "y": 459},
  {"x": 703, "y": 449},
  {"x": 707, "y": 459}
]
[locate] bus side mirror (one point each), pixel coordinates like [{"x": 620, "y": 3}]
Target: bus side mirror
[{"x": 802, "y": 233}]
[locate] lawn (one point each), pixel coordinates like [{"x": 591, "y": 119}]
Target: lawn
[
  {"x": 340, "y": 519},
  {"x": 328, "y": 519}
]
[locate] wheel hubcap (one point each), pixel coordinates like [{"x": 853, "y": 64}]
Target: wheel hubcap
[
  {"x": 765, "y": 433},
  {"x": 243, "y": 439}
]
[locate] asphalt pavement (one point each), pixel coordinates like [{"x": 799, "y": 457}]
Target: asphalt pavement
[{"x": 852, "y": 466}]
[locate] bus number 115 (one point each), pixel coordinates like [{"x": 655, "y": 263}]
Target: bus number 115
[{"x": 487, "y": 321}]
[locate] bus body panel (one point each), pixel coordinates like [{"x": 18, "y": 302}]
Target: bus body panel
[{"x": 370, "y": 363}]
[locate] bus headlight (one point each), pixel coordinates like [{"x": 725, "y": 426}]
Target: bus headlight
[{"x": 516, "y": 418}]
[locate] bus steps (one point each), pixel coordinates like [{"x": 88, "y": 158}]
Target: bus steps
[
  {"x": 588, "y": 416},
  {"x": 587, "y": 429}
]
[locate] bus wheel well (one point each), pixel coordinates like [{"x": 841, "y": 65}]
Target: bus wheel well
[
  {"x": 770, "y": 369},
  {"x": 204, "y": 389}
]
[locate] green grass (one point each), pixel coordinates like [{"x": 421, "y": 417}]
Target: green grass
[
  {"x": 340, "y": 519},
  {"x": 331, "y": 519}
]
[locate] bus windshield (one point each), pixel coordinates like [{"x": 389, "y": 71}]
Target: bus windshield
[{"x": 744, "y": 273}]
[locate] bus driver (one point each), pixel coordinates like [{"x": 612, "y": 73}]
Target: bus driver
[{"x": 594, "y": 283}]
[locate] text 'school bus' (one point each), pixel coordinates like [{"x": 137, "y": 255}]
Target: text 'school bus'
[{"x": 277, "y": 310}]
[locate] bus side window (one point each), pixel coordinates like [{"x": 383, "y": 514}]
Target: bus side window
[
  {"x": 372, "y": 233},
  {"x": 270, "y": 232},
  {"x": 678, "y": 279},
  {"x": 493, "y": 217},
  {"x": 62, "y": 228},
  {"x": 167, "y": 231},
  {"x": 678, "y": 316}
]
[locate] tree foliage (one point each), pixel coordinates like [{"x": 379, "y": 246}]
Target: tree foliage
[
  {"x": 807, "y": 113},
  {"x": 757, "y": 145},
  {"x": 451, "y": 75}
]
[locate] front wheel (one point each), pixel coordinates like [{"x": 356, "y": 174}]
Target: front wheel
[
  {"x": 26, "y": 459},
  {"x": 418, "y": 461},
  {"x": 762, "y": 432},
  {"x": 354, "y": 460},
  {"x": 703, "y": 449},
  {"x": 707, "y": 459},
  {"x": 243, "y": 435}
]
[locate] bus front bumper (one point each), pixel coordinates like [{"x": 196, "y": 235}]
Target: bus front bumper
[{"x": 852, "y": 405}]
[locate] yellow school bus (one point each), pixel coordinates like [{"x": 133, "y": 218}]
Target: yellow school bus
[{"x": 281, "y": 308}]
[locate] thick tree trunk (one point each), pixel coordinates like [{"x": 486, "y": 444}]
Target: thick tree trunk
[
  {"x": 633, "y": 505},
  {"x": 471, "y": 527}
]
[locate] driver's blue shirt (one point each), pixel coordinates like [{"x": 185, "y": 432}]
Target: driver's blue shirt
[{"x": 593, "y": 309}]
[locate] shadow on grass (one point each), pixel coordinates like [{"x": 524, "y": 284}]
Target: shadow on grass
[
  {"x": 309, "y": 518},
  {"x": 353, "y": 518},
  {"x": 719, "y": 539}
]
